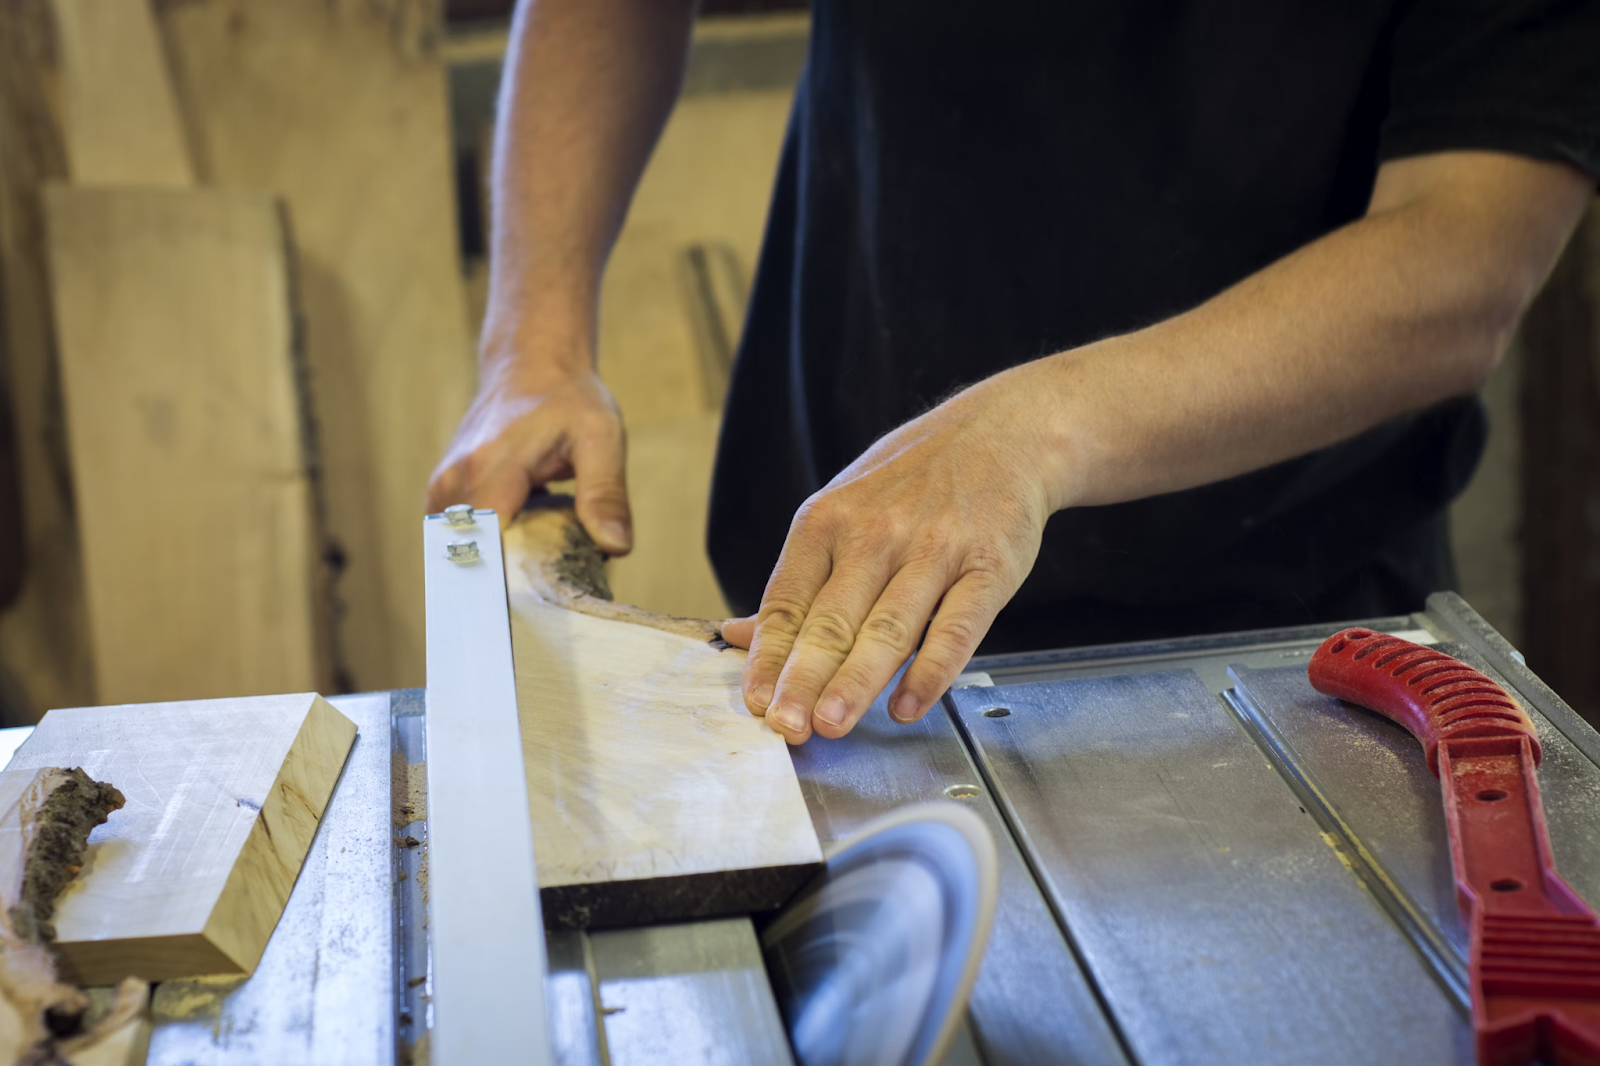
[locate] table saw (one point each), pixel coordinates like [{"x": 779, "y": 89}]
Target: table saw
[{"x": 1201, "y": 860}]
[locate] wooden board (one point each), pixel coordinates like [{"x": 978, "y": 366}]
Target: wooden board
[
  {"x": 44, "y": 636},
  {"x": 654, "y": 794},
  {"x": 122, "y": 122},
  {"x": 223, "y": 797},
  {"x": 341, "y": 109},
  {"x": 176, "y": 348}
]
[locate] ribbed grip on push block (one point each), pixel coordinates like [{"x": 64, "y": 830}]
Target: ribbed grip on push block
[{"x": 1535, "y": 964}]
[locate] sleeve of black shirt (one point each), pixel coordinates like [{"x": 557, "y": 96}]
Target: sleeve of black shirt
[{"x": 1520, "y": 76}]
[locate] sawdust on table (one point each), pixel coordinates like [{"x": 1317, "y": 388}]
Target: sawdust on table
[
  {"x": 416, "y": 1054},
  {"x": 193, "y": 998},
  {"x": 408, "y": 790}
]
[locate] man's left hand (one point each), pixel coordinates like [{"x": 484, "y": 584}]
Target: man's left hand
[{"x": 940, "y": 520}]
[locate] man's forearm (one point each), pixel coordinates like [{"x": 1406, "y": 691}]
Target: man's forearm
[
  {"x": 587, "y": 89},
  {"x": 1406, "y": 307}
]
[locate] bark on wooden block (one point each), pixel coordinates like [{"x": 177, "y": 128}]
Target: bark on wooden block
[
  {"x": 46, "y": 817},
  {"x": 224, "y": 797},
  {"x": 655, "y": 795}
]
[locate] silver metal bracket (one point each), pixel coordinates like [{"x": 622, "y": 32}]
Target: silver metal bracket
[{"x": 487, "y": 932}]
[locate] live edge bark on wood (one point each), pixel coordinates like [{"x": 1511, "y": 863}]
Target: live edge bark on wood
[
  {"x": 654, "y": 794},
  {"x": 224, "y": 797},
  {"x": 46, "y": 816}
]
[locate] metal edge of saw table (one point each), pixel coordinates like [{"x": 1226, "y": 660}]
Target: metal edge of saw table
[
  {"x": 487, "y": 935},
  {"x": 1213, "y": 659}
]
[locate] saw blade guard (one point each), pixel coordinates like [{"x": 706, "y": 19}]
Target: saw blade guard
[{"x": 872, "y": 963}]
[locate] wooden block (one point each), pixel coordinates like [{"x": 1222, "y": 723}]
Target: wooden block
[
  {"x": 223, "y": 799},
  {"x": 44, "y": 635},
  {"x": 122, "y": 121},
  {"x": 342, "y": 110},
  {"x": 654, "y": 794},
  {"x": 176, "y": 344}
]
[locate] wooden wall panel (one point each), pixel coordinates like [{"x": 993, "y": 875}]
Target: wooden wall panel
[
  {"x": 176, "y": 348},
  {"x": 44, "y": 647},
  {"x": 340, "y": 108}
]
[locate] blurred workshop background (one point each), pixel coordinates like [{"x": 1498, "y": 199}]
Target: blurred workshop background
[{"x": 242, "y": 266}]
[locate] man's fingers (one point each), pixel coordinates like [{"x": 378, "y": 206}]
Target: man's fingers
[
  {"x": 823, "y": 644},
  {"x": 802, "y": 570},
  {"x": 739, "y": 631},
  {"x": 599, "y": 462},
  {"x": 884, "y": 642},
  {"x": 953, "y": 636}
]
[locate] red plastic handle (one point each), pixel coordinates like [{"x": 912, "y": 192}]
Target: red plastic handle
[
  {"x": 1436, "y": 697},
  {"x": 1535, "y": 955}
]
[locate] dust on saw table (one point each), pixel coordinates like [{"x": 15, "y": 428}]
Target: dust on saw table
[{"x": 654, "y": 794}]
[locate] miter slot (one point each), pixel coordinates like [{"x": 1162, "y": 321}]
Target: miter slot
[
  {"x": 1370, "y": 777},
  {"x": 1032, "y": 1002},
  {"x": 1216, "y": 920},
  {"x": 1440, "y": 952}
]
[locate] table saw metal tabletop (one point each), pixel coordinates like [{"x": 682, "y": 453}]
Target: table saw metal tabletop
[{"x": 1202, "y": 861}]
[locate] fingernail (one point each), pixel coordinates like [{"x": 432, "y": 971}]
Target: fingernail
[
  {"x": 904, "y": 707},
  {"x": 616, "y": 533},
  {"x": 761, "y": 696},
  {"x": 789, "y": 717},
  {"x": 831, "y": 710}
]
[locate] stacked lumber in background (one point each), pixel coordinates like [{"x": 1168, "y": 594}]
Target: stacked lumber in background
[
  {"x": 234, "y": 340},
  {"x": 341, "y": 109}
]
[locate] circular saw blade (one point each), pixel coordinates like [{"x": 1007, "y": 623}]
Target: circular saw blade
[{"x": 873, "y": 961}]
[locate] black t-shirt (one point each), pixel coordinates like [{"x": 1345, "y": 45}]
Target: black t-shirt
[{"x": 967, "y": 186}]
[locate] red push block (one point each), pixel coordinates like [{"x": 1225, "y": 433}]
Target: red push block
[{"x": 1535, "y": 965}]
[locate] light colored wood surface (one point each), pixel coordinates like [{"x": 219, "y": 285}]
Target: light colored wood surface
[
  {"x": 223, "y": 799},
  {"x": 642, "y": 761},
  {"x": 122, "y": 1035},
  {"x": 44, "y": 635},
  {"x": 122, "y": 121},
  {"x": 175, "y": 338},
  {"x": 340, "y": 108},
  {"x": 669, "y": 488}
]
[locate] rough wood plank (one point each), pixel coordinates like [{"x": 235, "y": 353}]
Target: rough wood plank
[
  {"x": 176, "y": 347},
  {"x": 223, "y": 799},
  {"x": 122, "y": 121},
  {"x": 44, "y": 636},
  {"x": 340, "y": 108},
  {"x": 654, "y": 793}
]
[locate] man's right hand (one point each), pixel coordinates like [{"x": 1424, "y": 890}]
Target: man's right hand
[{"x": 525, "y": 429}]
